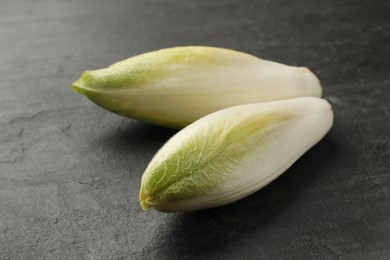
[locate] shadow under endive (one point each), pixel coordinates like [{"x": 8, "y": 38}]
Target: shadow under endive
[{"x": 135, "y": 138}]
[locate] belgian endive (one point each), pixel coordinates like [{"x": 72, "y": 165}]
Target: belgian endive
[
  {"x": 176, "y": 86},
  {"x": 232, "y": 153}
]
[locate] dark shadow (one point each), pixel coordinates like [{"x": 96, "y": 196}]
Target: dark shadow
[
  {"x": 139, "y": 134},
  {"x": 133, "y": 140}
]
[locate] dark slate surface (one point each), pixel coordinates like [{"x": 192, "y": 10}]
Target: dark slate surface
[{"x": 70, "y": 171}]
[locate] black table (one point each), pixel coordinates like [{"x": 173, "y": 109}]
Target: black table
[{"x": 70, "y": 171}]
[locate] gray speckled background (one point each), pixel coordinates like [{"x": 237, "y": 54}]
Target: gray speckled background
[{"x": 70, "y": 171}]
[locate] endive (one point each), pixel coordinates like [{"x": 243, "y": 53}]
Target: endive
[
  {"x": 176, "y": 86},
  {"x": 232, "y": 153}
]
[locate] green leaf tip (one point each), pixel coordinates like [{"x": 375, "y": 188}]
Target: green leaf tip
[
  {"x": 201, "y": 161},
  {"x": 76, "y": 87}
]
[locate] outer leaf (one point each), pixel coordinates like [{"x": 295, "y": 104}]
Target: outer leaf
[
  {"x": 232, "y": 153},
  {"x": 174, "y": 87}
]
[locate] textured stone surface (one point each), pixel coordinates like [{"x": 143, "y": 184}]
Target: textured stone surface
[{"x": 70, "y": 171}]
